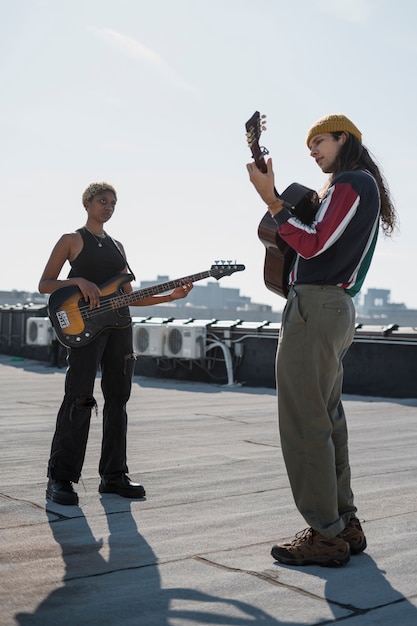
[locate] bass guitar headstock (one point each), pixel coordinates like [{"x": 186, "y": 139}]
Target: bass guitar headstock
[
  {"x": 254, "y": 128},
  {"x": 225, "y": 268}
]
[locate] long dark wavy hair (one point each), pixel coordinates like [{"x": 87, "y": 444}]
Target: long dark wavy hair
[{"x": 354, "y": 156}]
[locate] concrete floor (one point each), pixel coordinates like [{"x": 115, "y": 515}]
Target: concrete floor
[{"x": 196, "y": 551}]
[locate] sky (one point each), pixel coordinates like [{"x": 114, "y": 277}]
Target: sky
[{"x": 153, "y": 96}]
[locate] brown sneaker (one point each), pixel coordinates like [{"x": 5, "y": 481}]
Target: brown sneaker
[
  {"x": 354, "y": 535},
  {"x": 310, "y": 548}
]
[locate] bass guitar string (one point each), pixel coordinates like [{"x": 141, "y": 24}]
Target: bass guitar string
[{"x": 125, "y": 299}]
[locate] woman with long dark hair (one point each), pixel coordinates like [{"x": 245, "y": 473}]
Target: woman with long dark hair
[{"x": 333, "y": 255}]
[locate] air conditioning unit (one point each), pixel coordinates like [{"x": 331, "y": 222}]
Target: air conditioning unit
[
  {"x": 184, "y": 342},
  {"x": 39, "y": 331},
  {"x": 148, "y": 339}
]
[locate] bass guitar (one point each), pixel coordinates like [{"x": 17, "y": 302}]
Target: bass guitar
[
  {"x": 76, "y": 324},
  {"x": 301, "y": 201}
]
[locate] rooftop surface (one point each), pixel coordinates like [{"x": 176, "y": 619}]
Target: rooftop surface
[{"x": 196, "y": 551}]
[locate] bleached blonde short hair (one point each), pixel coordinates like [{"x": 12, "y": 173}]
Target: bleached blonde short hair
[{"x": 95, "y": 188}]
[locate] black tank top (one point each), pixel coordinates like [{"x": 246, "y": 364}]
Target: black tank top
[{"x": 97, "y": 263}]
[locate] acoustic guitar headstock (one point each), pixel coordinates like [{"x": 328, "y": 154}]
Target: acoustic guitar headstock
[{"x": 254, "y": 127}]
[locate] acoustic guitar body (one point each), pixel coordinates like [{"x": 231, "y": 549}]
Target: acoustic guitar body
[{"x": 279, "y": 257}]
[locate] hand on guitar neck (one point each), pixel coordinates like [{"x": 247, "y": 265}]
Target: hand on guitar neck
[
  {"x": 299, "y": 200},
  {"x": 263, "y": 181},
  {"x": 260, "y": 171}
]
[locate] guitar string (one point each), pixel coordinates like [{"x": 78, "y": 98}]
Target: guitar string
[
  {"x": 124, "y": 299},
  {"x": 85, "y": 311}
]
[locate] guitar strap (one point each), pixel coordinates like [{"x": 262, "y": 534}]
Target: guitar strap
[{"x": 121, "y": 253}]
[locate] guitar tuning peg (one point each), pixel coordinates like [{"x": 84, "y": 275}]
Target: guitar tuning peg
[
  {"x": 263, "y": 116},
  {"x": 263, "y": 127},
  {"x": 229, "y": 262}
]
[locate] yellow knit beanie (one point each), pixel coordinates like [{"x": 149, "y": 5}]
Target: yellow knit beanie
[{"x": 333, "y": 124}]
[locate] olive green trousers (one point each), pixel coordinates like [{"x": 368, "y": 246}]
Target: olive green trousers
[{"x": 318, "y": 326}]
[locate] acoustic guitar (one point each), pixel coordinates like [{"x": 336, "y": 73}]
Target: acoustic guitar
[
  {"x": 76, "y": 324},
  {"x": 301, "y": 201}
]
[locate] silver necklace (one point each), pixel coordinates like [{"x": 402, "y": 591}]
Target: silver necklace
[{"x": 98, "y": 238}]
